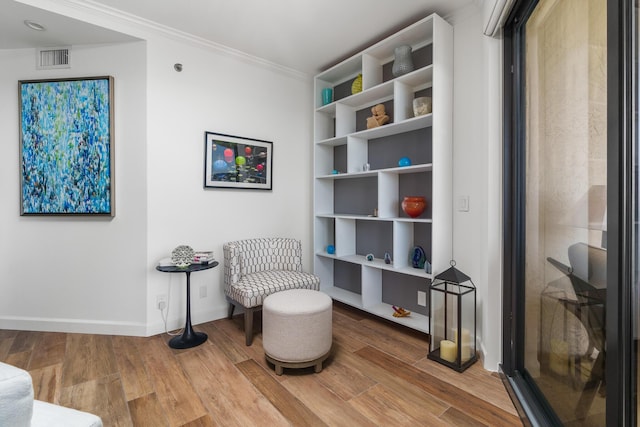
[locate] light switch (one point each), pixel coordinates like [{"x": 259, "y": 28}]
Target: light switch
[{"x": 463, "y": 204}]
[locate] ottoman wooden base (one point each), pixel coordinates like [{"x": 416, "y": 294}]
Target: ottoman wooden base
[{"x": 280, "y": 364}]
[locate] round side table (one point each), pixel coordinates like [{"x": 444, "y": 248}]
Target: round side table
[{"x": 189, "y": 337}]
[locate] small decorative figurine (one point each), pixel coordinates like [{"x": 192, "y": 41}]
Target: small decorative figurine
[
  {"x": 427, "y": 267},
  {"x": 400, "y": 312},
  {"x": 378, "y": 118},
  {"x": 418, "y": 257},
  {"x": 369, "y": 257},
  {"x": 387, "y": 258},
  {"x": 182, "y": 256},
  {"x": 331, "y": 249}
]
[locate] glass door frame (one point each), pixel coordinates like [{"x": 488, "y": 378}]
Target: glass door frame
[{"x": 620, "y": 372}]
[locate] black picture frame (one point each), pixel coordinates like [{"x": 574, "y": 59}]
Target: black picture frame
[
  {"x": 66, "y": 129},
  {"x": 237, "y": 162}
]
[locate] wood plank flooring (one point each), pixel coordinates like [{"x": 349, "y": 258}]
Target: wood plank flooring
[{"x": 377, "y": 375}]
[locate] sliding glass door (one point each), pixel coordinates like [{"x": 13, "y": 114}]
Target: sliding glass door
[
  {"x": 565, "y": 205},
  {"x": 571, "y": 306}
]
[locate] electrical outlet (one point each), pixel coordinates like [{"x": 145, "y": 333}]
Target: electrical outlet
[
  {"x": 161, "y": 302},
  {"x": 203, "y": 291},
  {"x": 422, "y": 298}
]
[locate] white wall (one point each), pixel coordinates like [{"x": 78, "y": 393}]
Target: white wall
[
  {"x": 219, "y": 93},
  {"x": 476, "y": 172},
  {"x": 81, "y": 274},
  {"x": 99, "y": 275}
]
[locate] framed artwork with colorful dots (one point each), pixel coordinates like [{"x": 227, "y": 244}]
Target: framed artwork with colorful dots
[{"x": 237, "y": 162}]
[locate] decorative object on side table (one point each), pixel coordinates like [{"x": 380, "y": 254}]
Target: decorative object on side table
[
  {"x": 402, "y": 63},
  {"x": 421, "y": 106},
  {"x": 203, "y": 257},
  {"x": 331, "y": 249},
  {"x": 387, "y": 258},
  {"x": 356, "y": 86},
  {"x": 378, "y": 117},
  {"x": 182, "y": 256},
  {"x": 413, "y": 205},
  {"x": 452, "y": 319},
  {"x": 369, "y": 257},
  {"x": 404, "y": 162}
]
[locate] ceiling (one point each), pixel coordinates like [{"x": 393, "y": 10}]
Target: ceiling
[{"x": 304, "y": 35}]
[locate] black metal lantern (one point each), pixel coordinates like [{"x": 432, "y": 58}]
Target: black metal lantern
[{"x": 452, "y": 319}]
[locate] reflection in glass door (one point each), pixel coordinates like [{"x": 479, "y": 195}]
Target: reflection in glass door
[{"x": 565, "y": 213}]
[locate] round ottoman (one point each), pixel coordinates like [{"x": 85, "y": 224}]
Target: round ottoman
[{"x": 296, "y": 328}]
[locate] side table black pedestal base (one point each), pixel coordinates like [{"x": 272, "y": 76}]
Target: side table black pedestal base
[
  {"x": 188, "y": 341},
  {"x": 189, "y": 337}
]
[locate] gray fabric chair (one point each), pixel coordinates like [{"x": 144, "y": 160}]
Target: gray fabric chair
[{"x": 256, "y": 268}]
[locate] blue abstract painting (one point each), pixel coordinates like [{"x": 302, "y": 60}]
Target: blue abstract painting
[{"x": 67, "y": 146}]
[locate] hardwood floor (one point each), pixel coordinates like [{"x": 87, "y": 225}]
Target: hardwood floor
[{"x": 377, "y": 375}]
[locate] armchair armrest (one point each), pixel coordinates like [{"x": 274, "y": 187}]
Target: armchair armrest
[{"x": 231, "y": 263}]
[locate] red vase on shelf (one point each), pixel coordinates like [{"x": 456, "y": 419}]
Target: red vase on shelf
[{"x": 413, "y": 205}]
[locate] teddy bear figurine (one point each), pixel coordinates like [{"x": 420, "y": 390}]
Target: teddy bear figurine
[{"x": 378, "y": 118}]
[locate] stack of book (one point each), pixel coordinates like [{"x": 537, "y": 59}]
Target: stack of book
[{"x": 203, "y": 257}]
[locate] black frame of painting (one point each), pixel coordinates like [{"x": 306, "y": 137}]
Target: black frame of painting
[
  {"x": 237, "y": 162},
  {"x": 67, "y": 148}
]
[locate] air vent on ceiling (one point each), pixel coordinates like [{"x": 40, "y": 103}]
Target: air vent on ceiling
[{"x": 53, "y": 57}]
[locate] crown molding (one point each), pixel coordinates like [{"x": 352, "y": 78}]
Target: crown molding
[{"x": 142, "y": 28}]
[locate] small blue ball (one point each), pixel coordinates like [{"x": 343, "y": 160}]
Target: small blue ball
[
  {"x": 404, "y": 161},
  {"x": 331, "y": 249}
]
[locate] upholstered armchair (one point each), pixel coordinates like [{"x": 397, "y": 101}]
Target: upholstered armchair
[{"x": 256, "y": 268}]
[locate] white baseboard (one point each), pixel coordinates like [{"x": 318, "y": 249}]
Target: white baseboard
[
  {"x": 81, "y": 326},
  {"x": 100, "y": 327}
]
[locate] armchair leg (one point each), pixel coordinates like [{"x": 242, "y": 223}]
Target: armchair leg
[
  {"x": 230, "y": 312},
  {"x": 248, "y": 325}
]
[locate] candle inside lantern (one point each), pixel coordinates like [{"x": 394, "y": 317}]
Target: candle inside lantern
[
  {"x": 448, "y": 350},
  {"x": 465, "y": 339}
]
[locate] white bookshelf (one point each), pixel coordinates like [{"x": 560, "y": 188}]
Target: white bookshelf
[{"x": 344, "y": 202}]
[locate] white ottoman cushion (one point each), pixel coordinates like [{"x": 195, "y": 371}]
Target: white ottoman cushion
[{"x": 297, "y": 325}]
